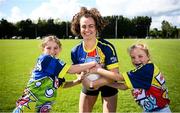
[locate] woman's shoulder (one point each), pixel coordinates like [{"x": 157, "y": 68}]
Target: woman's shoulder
[
  {"x": 105, "y": 45},
  {"x": 105, "y": 42}
]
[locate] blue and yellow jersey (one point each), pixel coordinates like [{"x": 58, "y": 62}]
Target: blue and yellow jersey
[
  {"x": 103, "y": 52},
  {"x": 148, "y": 87},
  {"x": 48, "y": 66}
]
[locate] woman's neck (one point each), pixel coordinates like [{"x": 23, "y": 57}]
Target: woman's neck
[{"x": 89, "y": 44}]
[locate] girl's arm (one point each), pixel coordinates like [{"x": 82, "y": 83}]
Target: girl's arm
[
  {"x": 71, "y": 83},
  {"x": 113, "y": 74},
  {"x": 97, "y": 83},
  {"x": 118, "y": 85},
  {"x": 77, "y": 81},
  {"x": 107, "y": 77},
  {"x": 81, "y": 67},
  {"x": 103, "y": 81}
]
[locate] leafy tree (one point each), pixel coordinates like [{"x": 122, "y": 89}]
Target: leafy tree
[
  {"x": 175, "y": 32},
  {"x": 7, "y": 29},
  {"x": 108, "y": 31},
  {"x": 142, "y": 25},
  {"x": 166, "y": 29},
  {"x": 154, "y": 33},
  {"x": 26, "y": 28}
]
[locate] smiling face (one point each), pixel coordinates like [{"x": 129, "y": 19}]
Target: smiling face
[
  {"x": 87, "y": 28},
  {"x": 139, "y": 56},
  {"x": 51, "y": 48}
]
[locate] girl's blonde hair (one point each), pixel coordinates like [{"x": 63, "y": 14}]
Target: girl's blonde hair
[
  {"x": 140, "y": 46},
  {"x": 50, "y": 38}
]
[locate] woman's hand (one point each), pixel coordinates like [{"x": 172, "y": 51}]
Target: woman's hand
[{"x": 95, "y": 68}]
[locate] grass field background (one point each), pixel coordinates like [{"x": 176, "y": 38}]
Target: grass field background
[{"x": 17, "y": 59}]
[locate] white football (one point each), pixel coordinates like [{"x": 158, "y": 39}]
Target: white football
[{"x": 93, "y": 77}]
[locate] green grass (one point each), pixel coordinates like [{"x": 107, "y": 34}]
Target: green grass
[{"x": 19, "y": 56}]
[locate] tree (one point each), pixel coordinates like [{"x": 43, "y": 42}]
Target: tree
[
  {"x": 7, "y": 29},
  {"x": 142, "y": 25},
  {"x": 108, "y": 31},
  {"x": 26, "y": 28},
  {"x": 154, "y": 33},
  {"x": 166, "y": 29}
]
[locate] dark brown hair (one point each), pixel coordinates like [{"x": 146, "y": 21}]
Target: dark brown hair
[{"x": 94, "y": 13}]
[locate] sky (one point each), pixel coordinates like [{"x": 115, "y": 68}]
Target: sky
[{"x": 158, "y": 10}]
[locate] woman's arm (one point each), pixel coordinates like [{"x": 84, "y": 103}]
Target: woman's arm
[{"x": 81, "y": 67}]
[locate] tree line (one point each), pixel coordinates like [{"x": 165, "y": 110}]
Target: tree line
[{"x": 118, "y": 27}]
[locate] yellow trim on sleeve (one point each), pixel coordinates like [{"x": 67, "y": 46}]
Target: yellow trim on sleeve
[
  {"x": 127, "y": 80},
  {"x": 111, "y": 66},
  {"x": 64, "y": 71},
  {"x": 108, "y": 46},
  {"x": 156, "y": 70}
]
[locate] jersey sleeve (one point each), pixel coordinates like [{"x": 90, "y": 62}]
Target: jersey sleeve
[
  {"x": 111, "y": 59},
  {"x": 140, "y": 77},
  {"x": 74, "y": 56},
  {"x": 63, "y": 70},
  {"x": 54, "y": 67}
]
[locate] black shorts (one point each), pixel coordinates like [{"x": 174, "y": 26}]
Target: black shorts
[{"x": 106, "y": 91}]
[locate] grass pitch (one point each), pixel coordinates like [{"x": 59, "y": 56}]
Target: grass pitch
[{"x": 19, "y": 56}]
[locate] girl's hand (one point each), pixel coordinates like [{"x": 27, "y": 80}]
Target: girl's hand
[{"x": 81, "y": 76}]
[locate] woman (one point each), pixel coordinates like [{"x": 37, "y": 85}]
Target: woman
[{"x": 87, "y": 24}]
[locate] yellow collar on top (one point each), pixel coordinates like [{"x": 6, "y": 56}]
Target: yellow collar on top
[{"x": 90, "y": 49}]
